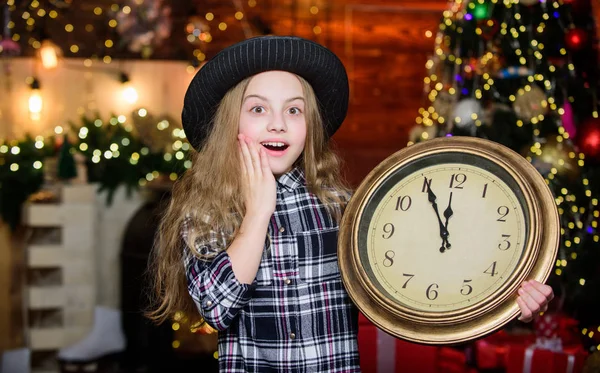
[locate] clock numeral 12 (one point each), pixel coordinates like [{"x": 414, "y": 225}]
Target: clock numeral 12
[
  {"x": 459, "y": 178},
  {"x": 491, "y": 270}
]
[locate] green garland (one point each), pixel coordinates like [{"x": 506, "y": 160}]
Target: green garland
[
  {"x": 21, "y": 174},
  {"x": 116, "y": 152}
]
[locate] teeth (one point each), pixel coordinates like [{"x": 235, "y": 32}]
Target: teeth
[{"x": 276, "y": 144}]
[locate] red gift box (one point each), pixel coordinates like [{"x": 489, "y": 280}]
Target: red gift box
[
  {"x": 383, "y": 353},
  {"x": 536, "y": 360}
]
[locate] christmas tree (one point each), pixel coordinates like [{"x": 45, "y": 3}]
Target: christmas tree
[{"x": 525, "y": 74}]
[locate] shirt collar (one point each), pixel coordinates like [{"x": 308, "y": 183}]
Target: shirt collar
[{"x": 292, "y": 179}]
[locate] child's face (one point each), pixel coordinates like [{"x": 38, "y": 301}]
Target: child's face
[{"x": 273, "y": 115}]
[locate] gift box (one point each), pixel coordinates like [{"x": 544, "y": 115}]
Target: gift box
[
  {"x": 533, "y": 359},
  {"x": 383, "y": 353},
  {"x": 491, "y": 351}
]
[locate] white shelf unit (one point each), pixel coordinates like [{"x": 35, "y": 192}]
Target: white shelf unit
[{"x": 61, "y": 276}]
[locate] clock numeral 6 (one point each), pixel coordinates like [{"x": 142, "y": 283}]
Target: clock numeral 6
[
  {"x": 466, "y": 288},
  {"x": 505, "y": 243},
  {"x": 389, "y": 258},
  {"x": 403, "y": 203},
  {"x": 389, "y": 229},
  {"x": 503, "y": 211},
  {"x": 431, "y": 293}
]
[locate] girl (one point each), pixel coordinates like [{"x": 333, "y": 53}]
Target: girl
[{"x": 249, "y": 240}]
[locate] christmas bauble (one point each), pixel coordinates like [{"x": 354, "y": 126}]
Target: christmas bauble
[
  {"x": 530, "y": 102},
  {"x": 560, "y": 156},
  {"x": 576, "y": 39},
  {"x": 466, "y": 112},
  {"x": 588, "y": 138},
  {"x": 444, "y": 104},
  {"x": 568, "y": 121}
]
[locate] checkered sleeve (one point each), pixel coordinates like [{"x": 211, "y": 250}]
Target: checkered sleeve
[{"x": 212, "y": 284}]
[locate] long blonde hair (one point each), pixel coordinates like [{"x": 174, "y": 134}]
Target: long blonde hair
[{"x": 211, "y": 188}]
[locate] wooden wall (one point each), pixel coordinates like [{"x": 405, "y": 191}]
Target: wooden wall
[{"x": 383, "y": 44}]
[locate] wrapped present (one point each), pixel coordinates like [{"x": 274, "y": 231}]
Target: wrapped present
[
  {"x": 554, "y": 325},
  {"x": 536, "y": 359},
  {"x": 491, "y": 351},
  {"x": 383, "y": 353}
]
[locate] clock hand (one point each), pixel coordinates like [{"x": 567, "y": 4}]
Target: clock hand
[
  {"x": 432, "y": 198},
  {"x": 447, "y": 214}
]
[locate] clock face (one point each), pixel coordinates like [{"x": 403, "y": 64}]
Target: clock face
[{"x": 452, "y": 258}]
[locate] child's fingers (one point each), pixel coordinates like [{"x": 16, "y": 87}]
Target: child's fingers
[
  {"x": 254, "y": 156},
  {"x": 264, "y": 162},
  {"x": 526, "y": 314},
  {"x": 531, "y": 303},
  {"x": 534, "y": 293},
  {"x": 545, "y": 290},
  {"x": 246, "y": 157}
]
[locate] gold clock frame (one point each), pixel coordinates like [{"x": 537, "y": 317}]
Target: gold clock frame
[{"x": 483, "y": 317}]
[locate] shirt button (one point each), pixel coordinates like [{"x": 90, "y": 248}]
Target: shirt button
[
  {"x": 287, "y": 281},
  {"x": 209, "y": 303},
  {"x": 292, "y": 336},
  {"x": 282, "y": 229}
]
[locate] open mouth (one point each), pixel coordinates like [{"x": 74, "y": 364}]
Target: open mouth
[{"x": 275, "y": 146}]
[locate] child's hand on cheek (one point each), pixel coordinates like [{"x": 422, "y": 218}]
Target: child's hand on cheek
[
  {"x": 259, "y": 183},
  {"x": 533, "y": 299}
]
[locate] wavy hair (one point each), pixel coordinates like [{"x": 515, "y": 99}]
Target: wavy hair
[{"x": 208, "y": 198}]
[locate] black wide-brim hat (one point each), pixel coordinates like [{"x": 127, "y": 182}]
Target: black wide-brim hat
[{"x": 320, "y": 67}]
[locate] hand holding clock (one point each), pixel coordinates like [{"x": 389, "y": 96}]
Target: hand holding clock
[{"x": 533, "y": 299}]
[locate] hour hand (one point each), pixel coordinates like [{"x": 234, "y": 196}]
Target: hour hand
[{"x": 447, "y": 214}]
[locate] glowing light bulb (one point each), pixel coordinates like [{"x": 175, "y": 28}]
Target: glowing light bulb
[
  {"x": 35, "y": 101},
  {"x": 49, "y": 53}
]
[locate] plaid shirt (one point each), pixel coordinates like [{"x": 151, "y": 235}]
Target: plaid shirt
[{"x": 296, "y": 316}]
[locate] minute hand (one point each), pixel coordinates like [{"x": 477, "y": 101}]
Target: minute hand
[{"x": 432, "y": 199}]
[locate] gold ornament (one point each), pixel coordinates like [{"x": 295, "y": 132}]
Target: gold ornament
[
  {"x": 530, "y": 102},
  {"x": 555, "y": 157}
]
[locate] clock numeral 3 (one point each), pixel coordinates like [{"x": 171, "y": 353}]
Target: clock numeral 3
[
  {"x": 466, "y": 288},
  {"x": 409, "y": 278},
  {"x": 503, "y": 211},
  {"x": 431, "y": 293},
  {"x": 403, "y": 203},
  {"x": 389, "y": 229},
  {"x": 505, "y": 243},
  {"x": 389, "y": 258},
  {"x": 491, "y": 270},
  {"x": 459, "y": 179}
]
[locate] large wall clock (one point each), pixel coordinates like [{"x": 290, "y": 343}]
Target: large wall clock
[{"x": 439, "y": 236}]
